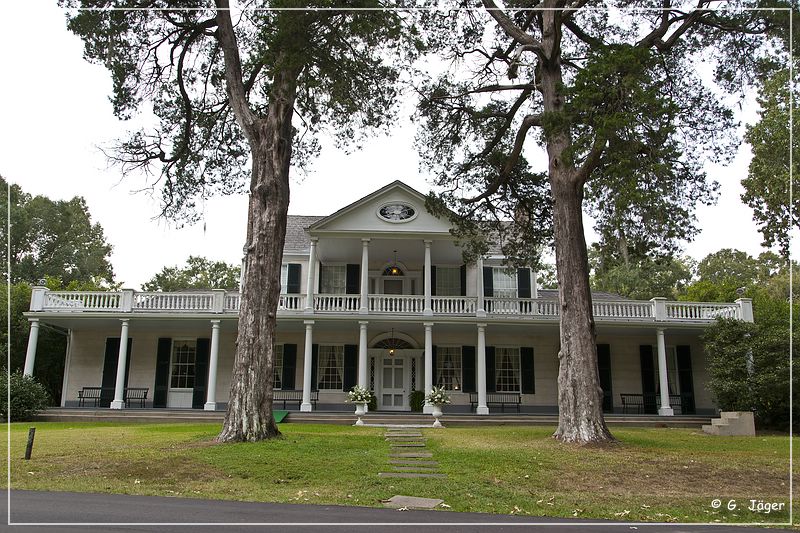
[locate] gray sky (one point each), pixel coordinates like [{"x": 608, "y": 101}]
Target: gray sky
[{"x": 56, "y": 113}]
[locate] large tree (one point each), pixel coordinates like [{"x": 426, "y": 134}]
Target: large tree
[
  {"x": 199, "y": 273},
  {"x": 229, "y": 97},
  {"x": 625, "y": 122}
]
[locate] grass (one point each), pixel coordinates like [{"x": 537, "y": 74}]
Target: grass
[{"x": 650, "y": 475}]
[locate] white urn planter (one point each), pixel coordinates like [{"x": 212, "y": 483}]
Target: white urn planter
[
  {"x": 361, "y": 410},
  {"x": 436, "y": 412}
]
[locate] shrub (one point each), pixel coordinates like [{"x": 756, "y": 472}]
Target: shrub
[
  {"x": 28, "y": 396},
  {"x": 416, "y": 399}
]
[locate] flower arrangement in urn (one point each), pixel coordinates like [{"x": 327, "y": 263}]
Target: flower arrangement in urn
[
  {"x": 437, "y": 397},
  {"x": 361, "y": 397}
]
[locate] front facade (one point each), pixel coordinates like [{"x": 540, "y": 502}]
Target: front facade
[{"x": 377, "y": 294}]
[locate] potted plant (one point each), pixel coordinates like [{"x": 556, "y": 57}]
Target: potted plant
[
  {"x": 437, "y": 398},
  {"x": 361, "y": 397}
]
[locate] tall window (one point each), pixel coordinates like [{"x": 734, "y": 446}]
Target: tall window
[
  {"x": 183, "y": 357},
  {"x": 505, "y": 284},
  {"x": 277, "y": 376},
  {"x": 284, "y": 278},
  {"x": 448, "y": 281},
  {"x": 448, "y": 367},
  {"x": 333, "y": 279},
  {"x": 672, "y": 370},
  {"x": 506, "y": 365},
  {"x": 330, "y": 367}
]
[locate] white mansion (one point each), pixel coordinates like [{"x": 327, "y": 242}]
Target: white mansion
[{"x": 377, "y": 294}]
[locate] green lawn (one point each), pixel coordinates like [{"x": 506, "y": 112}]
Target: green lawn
[{"x": 652, "y": 474}]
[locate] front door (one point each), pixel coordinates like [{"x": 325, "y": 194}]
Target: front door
[{"x": 394, "y": 383}]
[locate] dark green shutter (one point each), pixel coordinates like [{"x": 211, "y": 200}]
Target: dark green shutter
[
  {"x": 109, "y": 379},
  {"x": 433, "y": 366},
  {"x": 350, "y": 378},
  {"x": 488, "y": 282},
  {"x": 463, "y": 270},
  {"x": 293, "y": 279},
  {"x": 524, "y": 282},
  {"x": 526, "y": 368},
  {"x": 161, "y": 387},
  {"x": 289, "y": 366},
  {"x": 353, "y": 279},
  {"x": 468, "y": 368},
  {"x": 433, "y": 280},
  {"x": 491, "y": 385},
  {"x": 685, "y": 379},
  {"x": 604, "y": 370},
  {"x": 200, "y": 373},
  {"x": 648, "y": 378},
  {"x": 314, "y": 362}
]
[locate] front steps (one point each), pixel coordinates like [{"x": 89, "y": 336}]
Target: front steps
[{"x": 732, "y": 423}]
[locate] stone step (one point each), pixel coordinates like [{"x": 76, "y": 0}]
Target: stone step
[
  {"x": 413, "y": 463},
  {"x": 408, "y": 445},
  {"x": 405, "y": 439},
  {"x": 410, "y": 455},
  {"x": 423, "y": 469},
  {"x": 404, "y": 434},
  {"x": 410, "y": 475}
]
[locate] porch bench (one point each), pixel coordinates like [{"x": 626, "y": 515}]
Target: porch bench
[
  {"x": 90, "y": 394},
  {"x": 497, "y": 398},
  {"x": 642, "y": 403},
  {"x": 294, "y": 396},
  {"x": 136, "y": 394}
]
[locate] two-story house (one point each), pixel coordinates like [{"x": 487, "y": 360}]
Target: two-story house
[{"x": 377, "y": 294}]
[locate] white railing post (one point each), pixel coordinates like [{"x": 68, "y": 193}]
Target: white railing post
[
  {"x": 126, "y": 301},
  {"x": 211, "y": 394},
  {"x": 481, "y": 311},
  {"x": 38, "y": 297},
  {"x": 307, "y": 356},
  {"x": 659, "y": 308},
  {"x": 744, "y": 310},
  {"x": 364, "y": 309},
  {"x": 33, "y": 340},
  {"x": 428, "y": 289},
  {"x": 218, "y": 300},
  {"x": 312, "y": 267},
  {"x": 122, "y": 360}
]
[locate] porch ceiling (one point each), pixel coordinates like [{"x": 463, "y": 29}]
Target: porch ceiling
[{"x": 410, "y": 252}]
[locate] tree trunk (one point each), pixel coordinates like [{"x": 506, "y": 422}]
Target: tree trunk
[
  {"x": 249, "y": 415},
  {"x": 580, "y": 406}
]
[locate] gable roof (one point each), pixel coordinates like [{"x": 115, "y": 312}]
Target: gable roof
[{"x": 297, "y": 239}]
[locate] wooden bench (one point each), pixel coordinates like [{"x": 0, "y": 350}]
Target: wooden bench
[
  {"x": 647, "y": 403},
  {"x": 98, "y": 394},
  {"x": 497, "y": 398},
  {"x": 294, "y": 396}
]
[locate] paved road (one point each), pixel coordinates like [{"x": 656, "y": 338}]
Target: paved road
[{"x": 155, "y": 513}]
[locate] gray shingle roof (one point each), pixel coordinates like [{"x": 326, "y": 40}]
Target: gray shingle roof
[
  {"x": 296, "y": 236},
  {"x": 596, "y": 295}
]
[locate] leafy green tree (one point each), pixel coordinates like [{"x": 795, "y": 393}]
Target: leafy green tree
[
  {"x": 643, "y": 279},
  {"x": 199, "y": 273},
  {"x": 728, "y": 274},
  {"x": 53, "y": 238},
  {"x": 228, "y": 99},
  {"x": 626, "y": 123}
]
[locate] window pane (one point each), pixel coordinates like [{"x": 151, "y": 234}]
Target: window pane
[
  {"x": 183, "y": 356},
  {"x": 448, "y": 281},
  {"x": 284, "y": 278},
  {"x": 505, "y": 284},
  {"x": 278, "y": 365},
  {"x": 507, "y": 373},
  {"x": 448, "y": 367},
  {"x": 330, "y": 367},
  {"x": 333, "y": 279}
]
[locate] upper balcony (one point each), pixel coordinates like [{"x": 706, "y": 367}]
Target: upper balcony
[{"x": 533, "y": 309}]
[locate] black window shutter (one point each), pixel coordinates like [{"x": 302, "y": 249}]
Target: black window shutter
[
  {"x": 604, "y": 369},
  {"x": 319, "y": 278},
  {"x": 162, "y": 372},
  {"x": 314, "y": 363},
  {"x": 289, "y": 366},
  {"x": 491, "y": 385},
  {"x": 463, "y": 280},
  {"x": 200, "y": 373},
  {"x": 685, "y": 379},
  {"x": 468, "y": 368},
  {"x": 353, "y": 279},
  {"x": 524, "y": 282},
  {"x": 488, "y": 282},
  {"x": 350, "y": 367},
  {"x": 648, "y": 378},
  {"x": 433, "y": 280},
  {"x": 433, "y": 365},
  {"x": 109, "y": 380},
  {"x": 293, "y": 278},
  {"x": 526, "y": 368}
]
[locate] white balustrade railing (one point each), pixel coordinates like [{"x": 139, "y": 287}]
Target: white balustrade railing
[
  {"x": 547, "y": 308},
  {"x": 173, "y": 301},
  {"x": 454, "y": 305},
  {"x": 291, "y": 302},
  {"x": 83, "y": 301},
  {"x": 622, "y": 309},
  {"x": 700, "y": 311},
  {"x": 511, "y": 306},
  {"x": 233, "y": 301},
  {"x": 396, "y": 303},
  {"x": 336, "y": 302}
]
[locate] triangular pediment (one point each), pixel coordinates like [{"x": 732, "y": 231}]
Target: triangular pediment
[{"x": 395, "y": 208}]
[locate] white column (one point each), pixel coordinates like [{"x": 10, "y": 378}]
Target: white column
[
  {"x": 211, "y": 394},
  {"x": 663, "y": 381},
  {"x": 428, "y": 408},
  {"x": 481, "y": 311},
  {"x": 306, "y": 405},
  {"x": 428, "y": 305},
  {"x": 122, "y": 359},
  {"x": 362, "y": 354},
  {"x": 364, "y": 277},
  {"x": 33, "y": 340},
  {"x": 311, "y": 278},
  {"x": 481, "y": 355}
]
